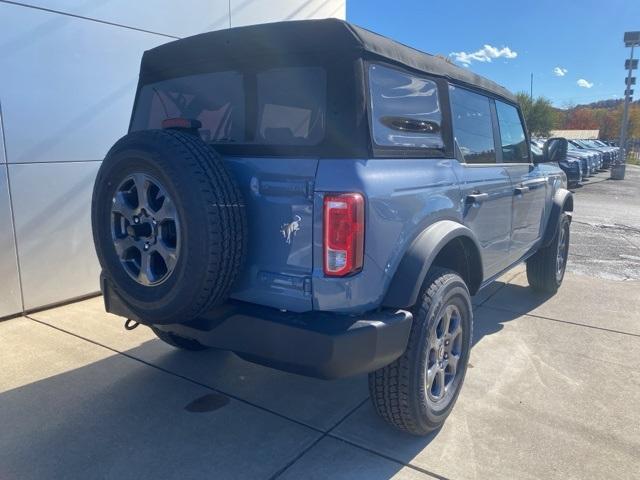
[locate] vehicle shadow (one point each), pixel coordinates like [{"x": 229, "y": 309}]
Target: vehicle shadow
[
  {"x": 514, "y": 301},
  {"x": 132, "y": 414}
]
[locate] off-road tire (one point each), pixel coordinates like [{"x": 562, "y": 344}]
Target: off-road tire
[
  {"x": 213, "y": 227},
  {"x": 179, "y": 342},
  {"x": 399, "y": 390},
  {"x": 542, "y": 267}
]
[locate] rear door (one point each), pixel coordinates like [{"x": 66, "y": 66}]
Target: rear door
[
  {"x": 485, "y": 184},
  {"x": 528, "y": 180}
]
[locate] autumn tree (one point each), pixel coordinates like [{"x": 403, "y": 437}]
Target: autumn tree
[
  {"x": 580, "y": 119},
  {"x": 538, "y": 114},
  {"x": 609, "y": 120}
]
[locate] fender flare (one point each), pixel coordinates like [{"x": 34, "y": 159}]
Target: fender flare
[
  {"x": 407, "y": 281},
  {"x": 562, "y": 202}
]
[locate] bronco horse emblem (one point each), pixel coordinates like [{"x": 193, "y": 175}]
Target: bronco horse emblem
[{"x": 289, "y": 230}]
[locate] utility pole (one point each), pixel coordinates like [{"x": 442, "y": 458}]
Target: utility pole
[
  {"x": 631, "y": 39},
  {"x": 531, "y": 88}
]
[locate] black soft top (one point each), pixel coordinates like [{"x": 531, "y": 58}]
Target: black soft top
[{"x": 332, "y": 39}]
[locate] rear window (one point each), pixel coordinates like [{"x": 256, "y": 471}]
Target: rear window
[
  {"x": 284, "y": 106},
  {"x": 405, "y": 109}
]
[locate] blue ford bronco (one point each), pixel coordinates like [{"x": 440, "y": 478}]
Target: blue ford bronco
[{"x": 324, "y": 200}]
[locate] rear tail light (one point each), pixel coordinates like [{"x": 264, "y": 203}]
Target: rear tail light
[{"x": 343, "y": 225}]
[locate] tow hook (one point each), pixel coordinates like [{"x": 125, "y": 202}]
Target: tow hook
[{"x": 130, "y": 324}]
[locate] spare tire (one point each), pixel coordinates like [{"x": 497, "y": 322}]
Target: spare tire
[{"x": 169, "y": 225}]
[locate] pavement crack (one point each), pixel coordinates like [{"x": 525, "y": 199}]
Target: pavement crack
[
  {"x": 610, "y": 226},
  {"x": 568, "y": 322}
]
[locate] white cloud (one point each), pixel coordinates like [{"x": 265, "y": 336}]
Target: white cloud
[
  {"x": 584, "y": 84},
  {"x": 485, "y": 54},
  {"x": 560, "y": 72}
]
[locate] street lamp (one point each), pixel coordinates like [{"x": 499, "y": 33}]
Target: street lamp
[{"x": 631, "y": 39}]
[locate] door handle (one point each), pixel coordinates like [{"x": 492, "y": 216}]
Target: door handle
[
  {"x": 521, "y": 190},
  {"x": 477, "y": 198}
]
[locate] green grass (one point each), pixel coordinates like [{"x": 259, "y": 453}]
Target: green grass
[{"x": 633, "y": 158}]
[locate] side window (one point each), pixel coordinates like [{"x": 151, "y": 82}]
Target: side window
[
  {"x": 291, "y": 106},
  {"x": 472, "y": 127},
  {"x": 513, "y": 139},
  {"x": 405, "y": 109}
]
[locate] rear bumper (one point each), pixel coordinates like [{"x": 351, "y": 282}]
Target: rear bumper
[{"x": 317, "y": 344}]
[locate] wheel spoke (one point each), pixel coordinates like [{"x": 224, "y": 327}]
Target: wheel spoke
[
  {"x": 438, "y": 382},
  {"x": 167, "y": 211},
  {"x": 145, "y": 276},
  {"x": 121, "y": 206},
  {"x": 432, "y": 373},
  {"x": 169, "y": 255},
  {"x": 123, "y": 244},
  {"x": 446, "y": 320},
  {"x": 456, "y": 331},
  {"x": 142, "y": 185},
  {"x": 452, "y": 361}
]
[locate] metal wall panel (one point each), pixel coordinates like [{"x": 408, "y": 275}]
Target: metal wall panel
[
  {"x": 2, "y": 157},
  {"x": 67, "y": 84},
  {"x": 52, "y": 207},
  {"x": 249, "y": 12},
  {"x": 10, "y": 302},
  {"x": 171, "y": 17}
]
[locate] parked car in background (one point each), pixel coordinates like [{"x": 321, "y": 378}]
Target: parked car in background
[
  {"x": 572, "y": 168},
  {"x": 603, "y": 156},
  {"x": 593, "y": 156},
  {"x": 611, "y": 153},
  {"x": 587, "y": 159},
  {"x": 569, "y": 165}
]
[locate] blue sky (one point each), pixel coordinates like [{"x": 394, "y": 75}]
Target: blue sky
[{"x": 583, "y": 38}]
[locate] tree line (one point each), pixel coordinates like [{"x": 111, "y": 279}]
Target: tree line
[{"x": 606, "y": 116}]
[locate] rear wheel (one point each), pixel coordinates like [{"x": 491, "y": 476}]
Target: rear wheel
[
  {"x": 545, "y": 269},
  {"x": 417, "y": 392}
]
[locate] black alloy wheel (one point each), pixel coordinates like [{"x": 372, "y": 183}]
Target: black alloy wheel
[{"x": 145, "y": 229}]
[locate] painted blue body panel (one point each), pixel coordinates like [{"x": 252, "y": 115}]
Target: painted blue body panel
[
  {"x": 277, "y": 191},
  {"x": 402, "y": 198},
  {"x": 490, "y": 221}
]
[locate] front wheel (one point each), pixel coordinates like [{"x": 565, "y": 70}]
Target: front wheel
[
  {"x": 545, "y": 269},
  {"x": 417, "y": 392}
]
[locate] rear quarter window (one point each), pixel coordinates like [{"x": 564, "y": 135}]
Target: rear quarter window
[{"x": 405, "y": 109}]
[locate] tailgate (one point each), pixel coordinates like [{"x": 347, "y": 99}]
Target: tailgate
[{"x": 279, "y": 197}]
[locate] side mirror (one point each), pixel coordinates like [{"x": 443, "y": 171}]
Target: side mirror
[{"x": 555, "y": 150}]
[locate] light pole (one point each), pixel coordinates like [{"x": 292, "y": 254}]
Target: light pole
[{"x": 631, "y": 39}]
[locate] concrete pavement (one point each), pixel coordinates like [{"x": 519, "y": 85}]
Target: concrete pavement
[{"x": 553, "y": 391}]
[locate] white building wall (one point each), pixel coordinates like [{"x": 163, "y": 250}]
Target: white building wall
[
  {"x": 69, "y": 71},
  {"x": 249, "y": 12}
]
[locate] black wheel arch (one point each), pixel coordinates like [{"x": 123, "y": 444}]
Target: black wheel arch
[
  {"x": 445, "y": 243},
  {"x": 562, "y": 202}
]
